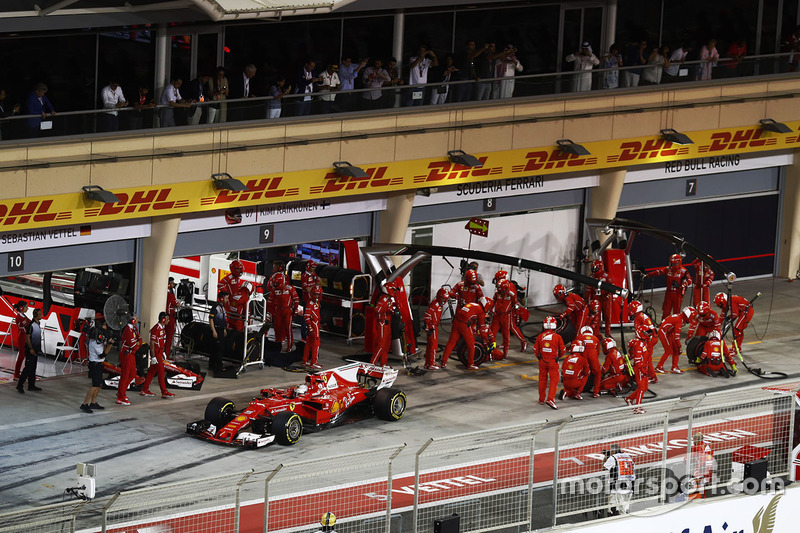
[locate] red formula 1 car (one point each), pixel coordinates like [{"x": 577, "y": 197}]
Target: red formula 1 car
[
  {"x": 325, "y": 399},
  {"x": 177, "y": 375}
]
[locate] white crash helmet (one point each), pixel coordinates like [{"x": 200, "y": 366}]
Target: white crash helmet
[{"x": 587, "y": 329}]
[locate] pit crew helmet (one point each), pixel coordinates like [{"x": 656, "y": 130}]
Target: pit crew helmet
[
  {"x": 689, "y": 313},
  {"x": 559, "y": 291},
  {"x": 594, "y": 306},
  {"x": 634, "y": 306},
  {"x": 721, "y": 300},
  {"x": 442, "y": 295},
  {"x": 715, "y": 335},
  {"x": 608, "y": 345},
  {"x": 503, "y": 286},
  {"x": 675, "y": 260},
  {"x": 471, "y": 277},
  {"x": 278, "y": 280},
  {"x": 486, "y": 303},
  {"x": 500, "y": 274},
  {"x": 578, "y": 346},
  {"x": 311, "y": 265},
  {"x": 550, "y": 323},
  {"x": 237, "y": 268},
  {"x": 587, "y": 329},
  {"x": 597, "y": 266},
  {"x": 316, "y": 293},
  {"x": 703, "y": 308}
]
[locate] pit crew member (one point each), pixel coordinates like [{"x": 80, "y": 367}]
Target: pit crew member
[
  {"x": 219, "y": 330},
  {"x": 433, "y": 315},
  {"x": 637, "y": 351},
  {"x": 505, "y": 302},
  {"x": 469, "y": 320},
  {"x": 574, "y": 371},
  {"x": 702, "y": 467},
  {"x": 22, "y": 321},
  {"x": 703, "y": 276},
  {"x": 467, "y": 290},
  {"x": 646, "y": 331},
  {"x": 678, "y": 279},
  {"x": 706, "y": 321},
  {"x": 576, "y": 310},
  {"x": 548, "y": 348},
  {"x": 385, "y": 307},
  {"x": 239, "y": 291},
  {"x": 311, "y": 319},
  {"x": 595, "y": 294},
  {"x": 669, "y": 333},
  {"x": 520, "y": 313},
  {"x": 131, "y": 342},
  {"x": 158, "y": 340},
  {"x": 172, "y": 312},
  {"x": 614, "y": 369},
  {"x": 590, "y": 353},
  {"x": 741, "y": 312},
  {"x": 711, "y": 359},
  {"x": 282, "y": 305}
]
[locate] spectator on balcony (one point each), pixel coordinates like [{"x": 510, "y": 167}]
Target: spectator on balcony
[
  {"x": 584, "y": 61},
  {"x": 241, "y": 87},
  {"x": 395, "y": 80},
  {"x": 304, "y": 84},
  {"x": 792, "y": 45},
  {"x": 440, "y": 92},
  {"x": 348, "y": 72},
  {"x": 218, "y": 90},
  {"x": 113, "y": 99},
  {"x": 507, "y": 64},
  {"x": 465, "y": 63},
  {"x": 484, "y": 69},
  {"x": 736, "y": 52},
  {"x": 38, "y": 104},
  {"x": 612, "y": 60},
  {"x": 374, "y": 77},
  {"x": 171, "y": 97},
  {"x": 143, "y": 115},
  {"x": 672, "y": 69},
  {"x": 656, "y": 61},
  {"x": 708, "y": 60},
  {"x": 329, "y": 85},
  {"x": 277, "y": 92},
  {"x": 197, "y": 91},
  {"x": 634, "y": 57},
  {"x": 418, "y": 74},
  {"x": 6, "y": 110}
]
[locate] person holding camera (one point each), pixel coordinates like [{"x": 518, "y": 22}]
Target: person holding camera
[
  {"x": 33, "y": 347},
  {"x": 98, "y": 349},
  {"x": 622, "y": 474},
  {"x": 418, "y": 74},
  {"x": 584, "y": 61}
]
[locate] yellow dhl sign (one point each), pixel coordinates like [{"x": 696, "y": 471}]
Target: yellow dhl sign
[{"x": 138, "y": 202}]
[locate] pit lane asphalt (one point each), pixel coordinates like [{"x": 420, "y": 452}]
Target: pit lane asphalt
[{"x": 43, "y": 435}]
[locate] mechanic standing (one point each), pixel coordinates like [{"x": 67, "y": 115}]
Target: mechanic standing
[
  {"x": 575, "y": 371},
  {"x": 327, "y": 521},
  {"x": 622, "y": 475},
  {"x": 158, "y": 337},
  {"x": 741, "y": 312},
  {"x": 637, "y": 350},
  {"x": 131, "y": 342},
  {"x": 549, "y": 346},
  {"x": 239, "y": 295},
  {"x": 645, "y": 330},
  {"x": 308, "y": 280},
  {"x": 282, "y": 305},
  {"x": 595, "y": 294},
  {"x": 433, "y": 315},
  {"x": 703, "y": 276},
  {"x": 216, "y": 319},
  {"x": 172, "y": 312},
  {"x": 669, "y": 333},
  {"x": 98, "y": 349},
  {"x": 520, "y": 313},
  {"x": 33, "y": 347},
  {"x": 22, "y": 321},
  {"x": 469, "y": 320},
  {"x": 382, "y": 332},
  {"x": 505, "y": 301},
  {"x": 311, "y": 320},
  {"x": 678, "y": 279},
  {"x": 468, "y": 290}
]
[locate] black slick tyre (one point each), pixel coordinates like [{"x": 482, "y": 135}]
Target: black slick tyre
[
  {"x": 220, "y": 411},
  {"x": 390, "y": 404},
  {"x": 287, "y": 428}
]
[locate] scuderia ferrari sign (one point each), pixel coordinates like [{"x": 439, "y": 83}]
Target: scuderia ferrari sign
[{"x": 510, "y": 165}]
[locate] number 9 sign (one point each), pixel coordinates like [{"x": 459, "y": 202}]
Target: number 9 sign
[{"x": 266, "y": 234}]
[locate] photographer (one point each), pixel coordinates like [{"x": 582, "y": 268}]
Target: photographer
[
  {"x": 98, "y": 348},
  {"x": 622, "y": 474}
]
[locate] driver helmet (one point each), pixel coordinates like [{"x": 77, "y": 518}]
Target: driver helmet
[
  {"x": 721, "y": 300},
  {"x": 608, "y": 345},
  {"x": 550, "y": 323},
  {"x": 587, "y": 329},
  {"x": 703, "y": 308},
  {"x": 578, "y": 346},
  {"x": 278, "y": 280},
  {"x": 597, "y": 266},
  {"x": 237, "y": 268},
  {"x": 675, "y": 260},
  {"x": 471, "y": 277},
  {"x": 301, "y": 389},
  {"x": 559, "y": 291},
  {"x": 715, "y": 335},
  {"x": 500, "y": 274},
  {"x": 689, "y": 313},
  {"x": 442, "y": 295}
]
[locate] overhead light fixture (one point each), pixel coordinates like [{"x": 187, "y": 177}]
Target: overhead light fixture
[
  {"x": 675, "y": 137},
  {"x": 460, "y": 157},
  {"x": 223, "y": 180},
  {"x": 567, "y": 146},
  {"x": 345, "y": 169},
  {"x": 777, "y": 127},
  {"x": 99, "y": 194}
]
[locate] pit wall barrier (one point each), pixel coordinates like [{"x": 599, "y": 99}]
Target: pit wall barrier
[{"x": 528, "y": 477}]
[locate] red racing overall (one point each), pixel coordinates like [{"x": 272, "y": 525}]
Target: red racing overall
[
  {"x": 669, "y": 333},
  {"x": 22, "y": 324},
  {"x": 236, "y": 307},
  {"x": 311, "y": 318},
  {"x": 384, "y": 309},
  {"x": 703, "y": 276},
  {"x": 574, "y": 374},
  {"x": 590, "y": 353},
  {"x": 615, "y": 371},
  {"x": 678, "y": 279},
  {"x": 433, "y": 315},
  {"x": 172, "y": 307},
  {"x": 158, "y": 336},
  {"x": 549, "y": 346},
  {"x": 468, "y": 319},
  {"x": 647, "y": 333},
  {"x": 637, "y": 350},
  {"x": 504, "y": 303},
  {"x": 131, "y": 341},
  {"x": 742, "y": 313},
  {"x": 281, "y": 304}
]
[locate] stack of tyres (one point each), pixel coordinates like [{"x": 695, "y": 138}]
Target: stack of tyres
[
  {"x": 196, "y": 338},
  {"x": 336, "y": 319}
]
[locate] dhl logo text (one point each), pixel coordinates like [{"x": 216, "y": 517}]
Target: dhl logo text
[
  {"x": 651, "y": 148},
  {"x": 375, "y": 179},
  {"x": 34, "y": 211},
  {"x": 139, "y": 202},
  {"x": 256, "y": 190},
  {"x": 445, "y": 170},
  {"x": 549, "y": 160},
  {"x": 737, "y": 140}
]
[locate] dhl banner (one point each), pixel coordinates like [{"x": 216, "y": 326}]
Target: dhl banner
[{"x": 191, "y": 197}]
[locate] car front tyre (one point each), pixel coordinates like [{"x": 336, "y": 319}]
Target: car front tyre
[
  {"x": 390, "y": 404},
  {"x": 287, "y": 428}
]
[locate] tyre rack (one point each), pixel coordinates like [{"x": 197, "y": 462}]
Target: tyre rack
[{"x": 253, "y": 325}]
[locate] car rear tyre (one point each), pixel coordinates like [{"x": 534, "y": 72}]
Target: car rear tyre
[
  {"x": 390, "y": 404},
  {"x": 287, "y": 428},
  {"x": 220, "y": 411},
  {"x": 481, "y": 353},
  {"x": 694, "y": 350}
]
